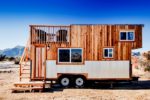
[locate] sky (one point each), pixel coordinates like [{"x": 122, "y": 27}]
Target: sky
[{"x": 17, "y": 15}]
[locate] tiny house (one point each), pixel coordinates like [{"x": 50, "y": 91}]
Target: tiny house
[{"x": 75, "y": 53}]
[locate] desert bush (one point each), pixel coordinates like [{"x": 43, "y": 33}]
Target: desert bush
[
  {"x": 6, "y": 58},
  {"x": 145, "y": 62},
  {"x": 147, "y": 68},
  {"x": 17, "y": 60},
  {"x": 11, "y": 58},
  {"x": 2, "y": 57},
  {"x": 147, "y": 55}
]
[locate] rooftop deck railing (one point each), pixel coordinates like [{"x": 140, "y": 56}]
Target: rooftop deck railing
[{"x": 41, "y": 34}]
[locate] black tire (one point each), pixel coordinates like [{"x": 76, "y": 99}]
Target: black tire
[
  {"x": 64, "y": 81},
  {"x": 80, "y": 82}
]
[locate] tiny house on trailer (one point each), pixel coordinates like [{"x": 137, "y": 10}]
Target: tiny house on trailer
[{"x": 76, "y": 53}]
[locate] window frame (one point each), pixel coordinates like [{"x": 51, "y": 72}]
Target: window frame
[
  {"x": 108, "y": 52},
  {"x": 126, "y": 31},
  {"x": 70, "y": 49}
]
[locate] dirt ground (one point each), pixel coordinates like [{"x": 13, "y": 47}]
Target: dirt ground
[{"x": 121, "y": 91}]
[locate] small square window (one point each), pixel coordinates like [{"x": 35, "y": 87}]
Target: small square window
[{"x": 108, "y": 52}]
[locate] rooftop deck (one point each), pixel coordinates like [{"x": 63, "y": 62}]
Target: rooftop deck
[{"x": 41, "y": 34}]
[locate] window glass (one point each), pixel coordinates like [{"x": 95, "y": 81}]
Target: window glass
[
  {"x": 108, "y": 52},
  {"x": 130, "y": 36},
  {"x": 64, "y": 55},
  {"x": 76, "y": 55},
  {"x": 123, "y": 36}
]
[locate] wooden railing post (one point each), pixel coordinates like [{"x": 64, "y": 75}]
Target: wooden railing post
[{"x": 20, "y": 72}]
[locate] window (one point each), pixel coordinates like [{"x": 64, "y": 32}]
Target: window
[
  {"x": 108, "y": 52},
  {"x": 127, "y": 36},
  {"x": 130, "y": 36},
  {"x": 76, "y": 55},
  {"x": 123, "y": 35},
  {"x": 69, "y": 55},
  {"x": 64, "y": 55}
]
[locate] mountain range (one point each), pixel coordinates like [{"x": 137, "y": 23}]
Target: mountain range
[{"x": 13, "y": 52}]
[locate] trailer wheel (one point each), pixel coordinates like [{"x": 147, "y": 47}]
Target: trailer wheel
[
  {"x": 64, "y": 81},
  {"x": 79, "y": 82}
]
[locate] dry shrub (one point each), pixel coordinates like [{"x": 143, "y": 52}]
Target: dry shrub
[{"x": 2, "y": 57}]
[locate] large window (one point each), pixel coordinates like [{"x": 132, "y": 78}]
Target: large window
[
  {"x": 70, "y": 55},
  {"x": 127, "y": 36},
  {"x": 108, "y": 52}
]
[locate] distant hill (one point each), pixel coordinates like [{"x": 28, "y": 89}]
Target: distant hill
[
  {"x": 1, "y": 51},
  {"x": 13, "y": 52}
]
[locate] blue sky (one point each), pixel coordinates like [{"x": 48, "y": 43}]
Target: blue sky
[{"x": 17, "y": 15}]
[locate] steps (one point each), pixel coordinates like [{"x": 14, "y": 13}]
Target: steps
[
  {"x": 28, "y": 86},
  {"x": 25, "y": 71},
  {"x": 25, "y": 83}
]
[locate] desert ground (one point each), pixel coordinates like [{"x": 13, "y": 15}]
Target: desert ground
[{"x": 121, "y": 91}]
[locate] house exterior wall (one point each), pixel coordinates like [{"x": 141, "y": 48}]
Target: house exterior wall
[
  {"x": 93, "y": 69},
  {"x": 92, "y": 39}
]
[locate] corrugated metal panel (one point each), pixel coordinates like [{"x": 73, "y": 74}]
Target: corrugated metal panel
[
  {"x": 94, "y": 69},
  {"x": 51, "y": 69}
]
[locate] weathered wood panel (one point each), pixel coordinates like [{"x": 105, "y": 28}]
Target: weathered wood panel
[
  {"x": 93, "y": 38},
  {"x": 52, "y": 50}
]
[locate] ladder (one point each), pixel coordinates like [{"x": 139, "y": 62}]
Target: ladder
[{"x": 25, "y": 63}]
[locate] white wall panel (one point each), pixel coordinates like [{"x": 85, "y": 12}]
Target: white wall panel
[{"x": 94, "y": 69}]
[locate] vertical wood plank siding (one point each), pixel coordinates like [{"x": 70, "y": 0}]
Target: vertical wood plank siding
[{"x": 93, "y": 38}]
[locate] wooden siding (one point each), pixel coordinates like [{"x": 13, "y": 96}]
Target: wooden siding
[
  {"x": 52, "y": 50},
  {"x": 93, "y": 38}
]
